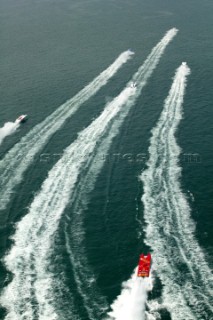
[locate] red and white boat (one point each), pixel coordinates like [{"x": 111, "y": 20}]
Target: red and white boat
[
  {"x": 144, "y": 265},
  {"x": 21, "y": 118}
]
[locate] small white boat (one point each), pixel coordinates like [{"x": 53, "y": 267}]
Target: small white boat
[{"x": 22, "y": 118}]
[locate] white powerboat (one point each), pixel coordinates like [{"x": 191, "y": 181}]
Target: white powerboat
[{"x": 22, "y": 118}]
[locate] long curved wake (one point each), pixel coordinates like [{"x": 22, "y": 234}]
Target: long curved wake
[
  {"x": 30, "y": 256},
  {"x": 178, "y": 259},
  {"x": 31, "y": 292},
  {"x": 18, "y": 159},
  {"x": 74, "y": 229}
]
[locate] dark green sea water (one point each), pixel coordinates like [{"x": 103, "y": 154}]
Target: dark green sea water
[{"x": 49, "y": 50}]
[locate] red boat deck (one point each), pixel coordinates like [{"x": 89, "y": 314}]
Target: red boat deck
[{"x": 144, "y": 265}]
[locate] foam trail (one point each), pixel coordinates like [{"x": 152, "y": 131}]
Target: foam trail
[
  {"x": 18, "y": 159},
  {"x": 131, "y": 303},
  {"x": 74, "y": 229},
  {"x": 178, "y": 259},
  {"x": 31, "y": 255},
  {"x": 31, "y": 293},
  {"x": 8, "y": 129}
]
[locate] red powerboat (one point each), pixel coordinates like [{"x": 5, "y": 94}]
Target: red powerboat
[{"x": 144, "y": 265}]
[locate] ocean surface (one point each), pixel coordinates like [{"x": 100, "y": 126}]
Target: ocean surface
[{"x": 136, "y": 175}]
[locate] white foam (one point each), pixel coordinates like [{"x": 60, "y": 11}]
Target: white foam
[
  {"x": 179, "y": 261},
  {"x": 74, "y": 228},
  {"x": 131, "y": 303},
  {"x": 30, "y": 256},
  {"x": 18, "y": 159},
  {"x": 30, "y": 259},
  {"x": 8, "y": 129}
]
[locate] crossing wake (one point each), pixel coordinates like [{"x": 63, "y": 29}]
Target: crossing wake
[{"x": 178, "y": 259}]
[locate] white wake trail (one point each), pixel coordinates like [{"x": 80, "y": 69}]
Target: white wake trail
[
  {"x": 74, "y": 229},
  {"x": 131, "y": 303},
  {"x": 8, "y": 129},
  {"x": 31, "y": 292},
  {"x": 30, "y": 257},
  {"x": 178, "y": 259},
  {"x": 18, "y": 159}
]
